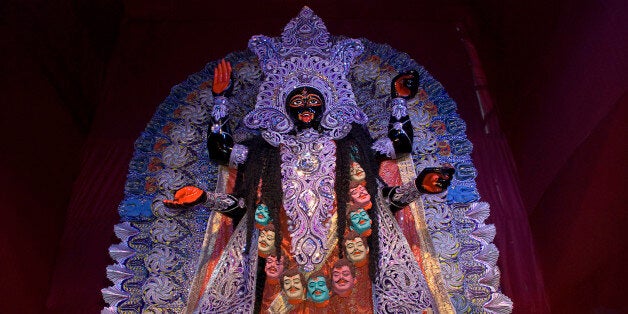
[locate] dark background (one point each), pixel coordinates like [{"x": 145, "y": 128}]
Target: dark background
[{"x": 80, "y": 80}]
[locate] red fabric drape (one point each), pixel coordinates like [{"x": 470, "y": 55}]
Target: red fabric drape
[{"x": 521, "y": 278}]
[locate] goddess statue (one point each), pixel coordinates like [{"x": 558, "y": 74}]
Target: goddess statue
[{"x": 304, "y": 211}]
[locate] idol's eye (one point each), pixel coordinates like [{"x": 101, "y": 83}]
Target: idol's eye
[
  {"x": 296, "y": 101},
  {"x": 314, "y": 100}
]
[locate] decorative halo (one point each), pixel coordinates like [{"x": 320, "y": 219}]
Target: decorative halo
[{"x": 304, "y": 57}]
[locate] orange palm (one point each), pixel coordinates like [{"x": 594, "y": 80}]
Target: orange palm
[
  {"x": 222, "y": 77},
  {"x": 185, "y": 196}
]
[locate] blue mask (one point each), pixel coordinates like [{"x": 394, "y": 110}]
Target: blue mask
[
  {"x": 360, "y": 221},
  {"x": 262, "y": 215},
  {"x": 317, "y": 289}
]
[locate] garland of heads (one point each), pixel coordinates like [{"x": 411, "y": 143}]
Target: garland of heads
[
  {"x": 266, "y": 166},
  {"x": 359, "y": 138}
]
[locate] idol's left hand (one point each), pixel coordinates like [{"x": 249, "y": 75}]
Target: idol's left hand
[
  {"x": 405, "y": 85},
  {"x": 434, "y": 180},
  {"x": 222, "y": 78}
]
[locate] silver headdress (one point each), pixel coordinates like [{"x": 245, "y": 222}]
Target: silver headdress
[{"x": 304, "y": 57}]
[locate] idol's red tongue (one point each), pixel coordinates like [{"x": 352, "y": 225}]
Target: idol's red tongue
[{"x": 306, "y": 117}]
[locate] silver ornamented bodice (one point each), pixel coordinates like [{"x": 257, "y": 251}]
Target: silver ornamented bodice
[{"x": 308, "y": 164}]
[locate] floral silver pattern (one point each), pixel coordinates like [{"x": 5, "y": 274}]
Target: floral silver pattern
[
  {"x": 220, "y": 108},
  {"x": 446, "y": 245},
  {"x": 160, "y": 290},
  {"x": 175, "y": 156},
  {"x": 385, "y": 147},
  {"x": 166, "y": 231},
  {"x": 238, "y": 156},
  {"x": 194, "y": 113},
  {"x": 172, "y": 179},
  {"x": 438, "y": 216},
  {"x": 308, "y": 164},
  {"x": 399, "y": 109},
  {"x": 185, "y": 134},
  {"x": 162, "y": 259}
]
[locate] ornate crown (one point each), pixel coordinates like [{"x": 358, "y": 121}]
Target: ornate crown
[{"x": 304, "y": 56}]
